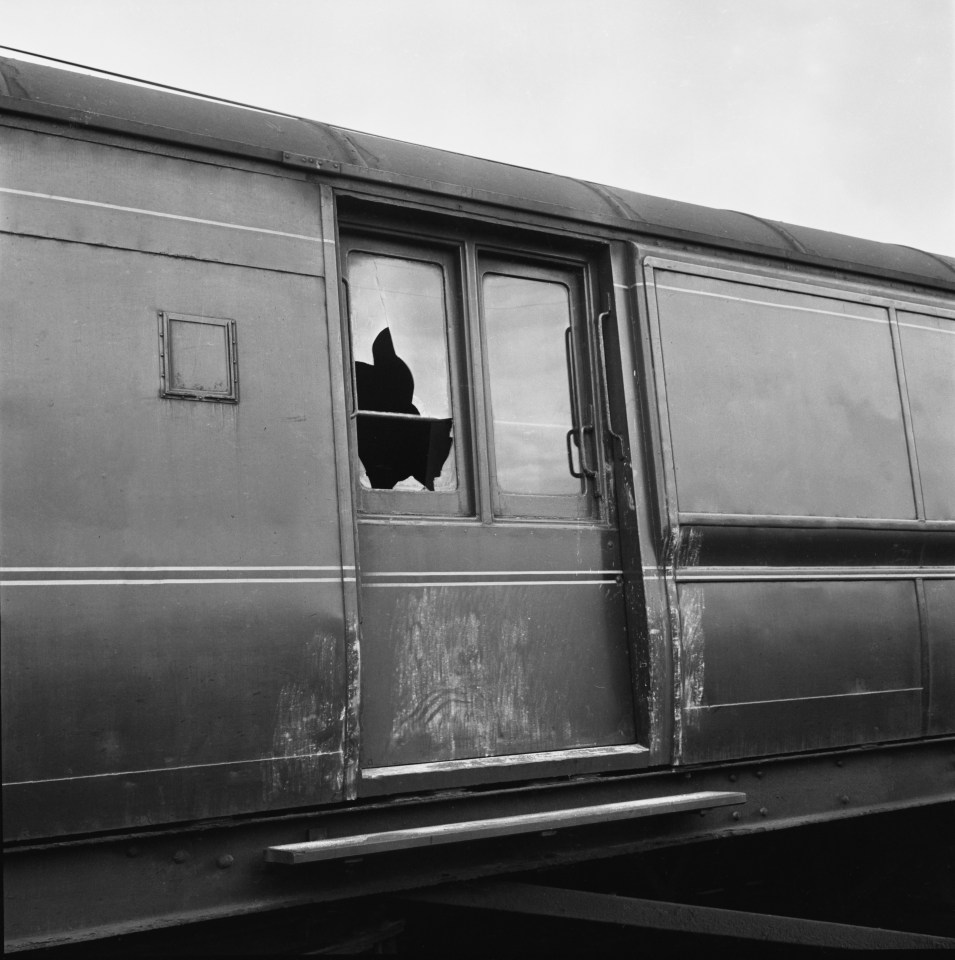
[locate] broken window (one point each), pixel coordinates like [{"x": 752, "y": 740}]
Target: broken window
[
  {"x": 429, "y": 341},
  {"x": 402, "y": 382}
]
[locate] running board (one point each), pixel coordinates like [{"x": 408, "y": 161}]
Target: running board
[{"x": 363, "y": 844}]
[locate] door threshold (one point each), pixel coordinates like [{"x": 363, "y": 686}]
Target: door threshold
[{"x": 413, "y": 777}]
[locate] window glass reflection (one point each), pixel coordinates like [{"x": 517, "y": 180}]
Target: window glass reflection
[
  {"x": 524, "y": 322},
  {"x": 399, "y": 345}
]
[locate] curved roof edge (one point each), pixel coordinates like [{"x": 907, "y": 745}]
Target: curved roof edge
[{"x": 100, "y": 102}]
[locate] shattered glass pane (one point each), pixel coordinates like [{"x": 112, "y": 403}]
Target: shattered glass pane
[{"x": 400, "y": 349}]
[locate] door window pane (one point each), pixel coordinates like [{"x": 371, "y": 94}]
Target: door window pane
[
  {"x": 400, "y": 351},
  {"x": 525, "y": 322}
]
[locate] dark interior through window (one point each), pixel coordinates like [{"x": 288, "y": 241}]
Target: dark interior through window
[{"x": 399, "y": 325}]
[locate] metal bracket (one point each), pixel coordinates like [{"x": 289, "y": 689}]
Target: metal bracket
[{"x": 300, "y": 160}]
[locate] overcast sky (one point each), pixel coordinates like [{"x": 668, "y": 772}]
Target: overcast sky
[{"x": 838, "y": 114}]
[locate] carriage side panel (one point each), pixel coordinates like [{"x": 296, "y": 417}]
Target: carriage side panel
[{"x": 173, "y": 626}]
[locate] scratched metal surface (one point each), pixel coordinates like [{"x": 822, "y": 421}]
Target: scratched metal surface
[
  {"x": 108, "y": 104},
  {"x": 492, "y": 661}
]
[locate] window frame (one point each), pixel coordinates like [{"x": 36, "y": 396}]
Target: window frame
[
  {"x": 167, "y": 359},
  {"x": 509, "y": 505},
  {"x": 441, "y": 503},
  {"x": 649, "y": 261},
  {"x": 369, "y": 225}
]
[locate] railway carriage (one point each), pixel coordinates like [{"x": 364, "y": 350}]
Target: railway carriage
[{"x": 364, "y": 500}]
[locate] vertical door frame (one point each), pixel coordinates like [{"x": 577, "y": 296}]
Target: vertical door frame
[{"x": 347, "y": 513}]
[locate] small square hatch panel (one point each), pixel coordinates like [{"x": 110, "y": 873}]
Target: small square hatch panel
[{"x": 198, "y": 358}]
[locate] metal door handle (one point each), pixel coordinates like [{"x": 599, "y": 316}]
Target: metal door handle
[
  {"x": 604, "y": 386},
  {"x": 578, "y": 429},
  {"x": 570, "y": 454}
]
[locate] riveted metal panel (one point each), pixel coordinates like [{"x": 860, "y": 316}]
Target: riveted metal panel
[{"x": 163, "y": 878}]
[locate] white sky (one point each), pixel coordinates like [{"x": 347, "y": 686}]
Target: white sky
[{"x": 838, "y": 114}]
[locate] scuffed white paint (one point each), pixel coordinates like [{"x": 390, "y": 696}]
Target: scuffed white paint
[
  {"x": 692, "y": 644},
  {"x": 462, "y": 685},
  {"x": 308, "y": 725},
  {"x": 692, "y": 546}
]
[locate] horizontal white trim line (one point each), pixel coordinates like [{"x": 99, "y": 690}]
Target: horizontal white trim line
[
  {"x": 155, "y": 569},
  {"x": 190, "y": 766},
  {"x": 491, "y": 573},
  {"x": 493, "y": 583},
  {"x": 920, "y": 326},
  {"x": 166, "y": 582},
  {"x": 157, "y": 213},
  {"x": 507, "y": 760},
  {"x": 785, "y": 521},
  {"x": 828, "y": 696},
  {"x": 823, "y": 573},
  {"x": 781, "y": 306}
]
